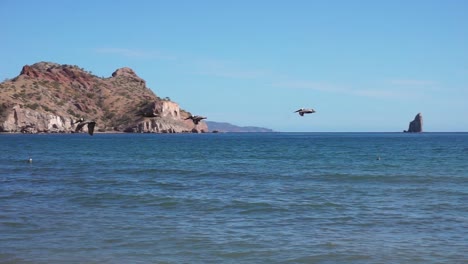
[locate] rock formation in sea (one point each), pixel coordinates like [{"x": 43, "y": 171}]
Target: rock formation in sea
[
  {"x": 48, "y": 97},
  {"x": 416, "y": 125}
]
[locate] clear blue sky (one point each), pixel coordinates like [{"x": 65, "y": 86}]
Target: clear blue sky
[{"x": 362, "y": 65}]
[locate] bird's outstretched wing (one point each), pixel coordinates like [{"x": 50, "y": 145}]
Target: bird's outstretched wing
[
  {"x": 196, "y": 119},
  {"x": 303, "y": 111},
  {"x": 91, "y": 127},
  {"x": 80, "y": 126}
]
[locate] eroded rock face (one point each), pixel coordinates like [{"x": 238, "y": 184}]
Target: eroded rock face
[
  {"x": 54, "y": 72},
  {"x": 166, "y": 117},
  {"x": 416, "y": 126},
  {"x": 30, "y": 121}
]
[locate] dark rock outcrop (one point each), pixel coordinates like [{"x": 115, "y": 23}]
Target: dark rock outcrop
[{"x": 416, "y": 126}]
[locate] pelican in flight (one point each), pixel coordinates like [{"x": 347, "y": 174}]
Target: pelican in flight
[
  {"x": 81, "y": 123},
  {"x": 196, "y": 118},
  {"x": 303, "y": 111}
]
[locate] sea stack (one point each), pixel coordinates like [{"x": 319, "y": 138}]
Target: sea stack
[{"x": 416, "y": 125}]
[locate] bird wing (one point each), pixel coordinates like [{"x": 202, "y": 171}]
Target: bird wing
[
  {"x": 91, "y": 127},
  {"x": 80, "y": 126},
  {"x": 197, "y": 119}
]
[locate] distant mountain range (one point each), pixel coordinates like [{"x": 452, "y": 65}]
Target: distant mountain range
[{"x": 227, "y": 127}]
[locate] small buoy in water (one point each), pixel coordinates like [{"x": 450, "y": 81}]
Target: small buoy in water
[{"x": 30, "y": 160}]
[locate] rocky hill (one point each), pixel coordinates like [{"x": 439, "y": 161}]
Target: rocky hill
[
  {"x": 49, "y": 97},
  {"x": 415, "y": 126},
  {"x": 227, "y": 127}
]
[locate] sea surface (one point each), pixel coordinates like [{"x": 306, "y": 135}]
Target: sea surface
[{"x": 234, "y": 198}]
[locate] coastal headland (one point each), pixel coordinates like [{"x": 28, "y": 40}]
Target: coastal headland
[{"x": 48, "y": 97}]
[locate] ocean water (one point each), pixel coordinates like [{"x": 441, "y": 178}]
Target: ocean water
[{"x": 234, "y": 198}]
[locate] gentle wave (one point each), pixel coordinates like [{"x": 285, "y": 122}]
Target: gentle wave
[{"x": 234, "y": 198}]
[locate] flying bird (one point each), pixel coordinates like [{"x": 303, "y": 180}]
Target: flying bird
[
  {"x": 81, "y": 123},
  {"x": 196, "y": 118},
  {"x": 303, "y": 111}
]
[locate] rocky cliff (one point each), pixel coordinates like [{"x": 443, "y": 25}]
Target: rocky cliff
[
  {"x": 49, "y": 97},
  {"x": 416, "y": 125}
]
